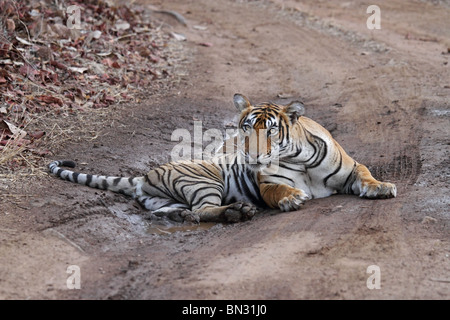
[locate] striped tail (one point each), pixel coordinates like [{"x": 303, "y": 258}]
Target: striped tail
[{"x": 122, "y": 185}]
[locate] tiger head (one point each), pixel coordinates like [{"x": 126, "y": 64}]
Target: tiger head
[{"x": 265, "y": 129}]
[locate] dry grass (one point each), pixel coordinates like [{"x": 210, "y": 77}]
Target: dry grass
[
  {"x": 20, "y": 168},
  {"x": 60, "y": 130}
]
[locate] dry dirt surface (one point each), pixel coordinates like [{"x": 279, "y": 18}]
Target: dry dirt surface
[{"x": 383, "y": 94}]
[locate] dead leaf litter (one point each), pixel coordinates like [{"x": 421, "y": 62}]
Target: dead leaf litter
[{"x": 72, "y": 57}]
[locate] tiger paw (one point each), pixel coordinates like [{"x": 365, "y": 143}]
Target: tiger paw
[
  {"x": 294, "y": 201},
  {"x": 378, "y": 190},
  {"x": 239, "y": 211},
  {"x": 190, "y": 216}
]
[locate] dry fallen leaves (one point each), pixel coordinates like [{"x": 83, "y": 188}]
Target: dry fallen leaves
[{"x": 46, "y": 65}]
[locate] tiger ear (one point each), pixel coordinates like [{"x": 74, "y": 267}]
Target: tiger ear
[
  {"x": 241, "y": 102},
  {"x": 294, "y": 110}
]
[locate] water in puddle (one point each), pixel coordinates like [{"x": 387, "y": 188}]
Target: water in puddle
[{"x": 169, "y": 229}]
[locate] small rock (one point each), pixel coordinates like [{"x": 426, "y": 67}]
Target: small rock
[
  {"x": 122, "y": 25},
  {"x": 428, "y": 220},
  {"x": 283, "y": 95},
  {"x": 201, "y": 28},
  {"x": 132, "y": 264},
  {"x": 178, "y": 36}
]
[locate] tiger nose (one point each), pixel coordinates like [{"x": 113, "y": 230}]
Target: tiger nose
[{"x": 253, "y": 151}]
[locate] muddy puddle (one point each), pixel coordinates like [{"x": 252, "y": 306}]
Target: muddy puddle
[{"x": 151, "y": 224}]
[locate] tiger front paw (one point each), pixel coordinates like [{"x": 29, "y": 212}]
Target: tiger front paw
[
  {"x": 190, "y": 216},
  {"x": 379, "y": 190},
  {"x": 239, "y": 211},
  {"x": 294, "y": 201}
]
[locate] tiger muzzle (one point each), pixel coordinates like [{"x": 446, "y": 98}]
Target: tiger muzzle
[{"x": 257, "y": 147}]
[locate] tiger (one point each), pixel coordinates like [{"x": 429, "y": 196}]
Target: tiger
[{"x": 283, "y": 159}]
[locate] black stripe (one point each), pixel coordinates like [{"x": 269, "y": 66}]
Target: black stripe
[
  {"x": 174, "y": 190},
  {"x": 348, "y": 188},
  {"x": 157, "y": 173},
  {"x": 281, "y": 177},
  {"x": 322, "y": 153},
  {"x": 183, "y": 174},
  {"x": 297, "y": 153},
  {"x": 285, "y": 166},
  {"x": 188, "y": 168},
  {"x": 104, "y": 185},
  {"x": 88, "y": 179},
  {"x": 185, "y": 184},
  {"x": 281, "y": 133},
  {"x": 210, "y": 203},
  {"x": 166, "y": 192},
  {"x": 334, "y": 172},
  {"x": 255, "y": 197},
  {"x": 202, "y": 198},
  {"x": 196, "y": 200},
  {"x": 67, "y": 178},
  {"x": 75, "y": 176},
  {"x": 245, "y": 187},
  {"x": 235, "y": 173},
  {"x": 314, "y": 153},
  {"x": 195, "y": 172},
  {"x": 116, "y": 181},
  {"x": 212, "y": 175},
  {"x": 165, "y": 176}
]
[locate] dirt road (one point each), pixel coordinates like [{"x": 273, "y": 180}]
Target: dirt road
[{"x": 384, "y": 95}]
